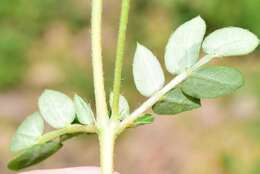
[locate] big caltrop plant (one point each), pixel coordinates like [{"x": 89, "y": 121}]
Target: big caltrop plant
[{"x": 191, "y": 82}]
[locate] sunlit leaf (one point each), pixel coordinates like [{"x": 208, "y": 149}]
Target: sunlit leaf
[
  {"x": 124, "y": 109},
  {"x": 28, "y": 132},
  {"x": 175, "y": 102},
  {"x": 34, "y": 155},
  {"x": 230, "y": 41},
  {"x": 148, "y": 74},
  {"x": 211, "y": 82},
  {"x": 184, "y": 45},
  {"x": 56, "y": 108},
  {"x": 143, "y": 120},
  {"x": 83, "y": 110}
]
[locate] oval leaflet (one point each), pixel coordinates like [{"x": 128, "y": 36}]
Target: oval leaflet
[
  {"x": 175, "y": 102},
  {"x": 124, "y": 108},
  {"x": 148, "y": 74},
  {"x": 183, "y": 48},
  {"x": 34, "y": 155},
  {"x": 83, "y": 110},
  {"x": 211, "y": 82},
  {"x": 56, "y": 108},
  {"x": 28, "y": 132},
  {"x": 230, "y": 41}
]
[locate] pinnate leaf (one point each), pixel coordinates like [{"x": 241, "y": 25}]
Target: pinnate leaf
[
  {"x": 175, "y": 102},
  {"x": 183, "y": 48},
  {"x": 34, "y": 155},
  {"x": 28, "y": 132},
  {"x": 56, "y": 108},
  {"x": 83, "y": 110},
  {"x": 148, "y": 74},
  {"x": 230, "y": 41},
  {"x": 211, "y": 82}
]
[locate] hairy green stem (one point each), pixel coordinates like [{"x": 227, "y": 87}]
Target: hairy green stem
[
  {"x": 107, "y": 142},
  {"x": 100, "y": 96},
  {"x": 119, "y": 57}
]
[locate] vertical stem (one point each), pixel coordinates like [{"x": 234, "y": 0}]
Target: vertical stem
[
  {"x": 107, "y": 141},
  {"x": 100, "y": 96},
  {"x": 119, "y": 57}
]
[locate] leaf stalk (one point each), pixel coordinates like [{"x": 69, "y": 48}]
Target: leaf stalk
[
  {"x": 119, "y": 57},
  {"x": 73, "y": 129}
]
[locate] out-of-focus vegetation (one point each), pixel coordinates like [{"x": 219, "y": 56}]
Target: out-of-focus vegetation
[
  {"x": 23, "y": 23},
  {"x": 46, "y": 44}
]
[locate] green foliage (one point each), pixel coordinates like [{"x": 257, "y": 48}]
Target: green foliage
[
  {"x": 147, "y": 71},
  {"x": 183, "y": 48},
  {"x": 28, "y": 132},
  {"x": 22, "y": 23},
  {"x": 175, "y": 102},
  {"x": 35, "y": 16},
  {"x": 13, "y": 47},
  {"x": 245, "y": 15},
  {"x": 211, "y": 82},
  {"x": 143, "y": 120},
  {"x": 32, "y": 146},
  {"x": 230, "y": 41},
  {"x": 57, "y": 109},
  {"x": 34, "y": 155},
  {"x": 182, "y": 58},
  {"x": 249, "y": 15},
  {"x": 83, "y": 110},
  {"x": 124, "y": 109},
  {"x": 182, "y": 93}
]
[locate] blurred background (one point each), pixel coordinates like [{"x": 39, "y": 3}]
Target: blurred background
[{"x": 46, "y": 44}]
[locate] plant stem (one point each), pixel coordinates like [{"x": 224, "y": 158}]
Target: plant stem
[
  {"x": 100, "y": 96},
  {"x": 107, "y": 142},
  {"x": 172, "y": 84},
  {"x": 119, "y": 57}
]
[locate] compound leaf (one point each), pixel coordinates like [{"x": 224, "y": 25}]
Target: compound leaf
[
  {"x": 148, "y": 74},
  {"x": 34, "y": 155},
  {"x": 83, "y": 110},
  {"x": 230, "y": 41},
  {"x": 211, "y": 82},
  {"x": 175, "y": 102},
  {"x": 56, "y": 108},
  {"x": 28, "y": 132},
  {"x": 183, "y": 48}
]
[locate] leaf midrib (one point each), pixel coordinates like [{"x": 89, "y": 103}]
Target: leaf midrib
[{"x": 199, "y": 76}]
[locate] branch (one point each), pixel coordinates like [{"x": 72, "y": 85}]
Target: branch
[
  {"x": 67, "y": 130},
  {"x": 119, "y": 57}
]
